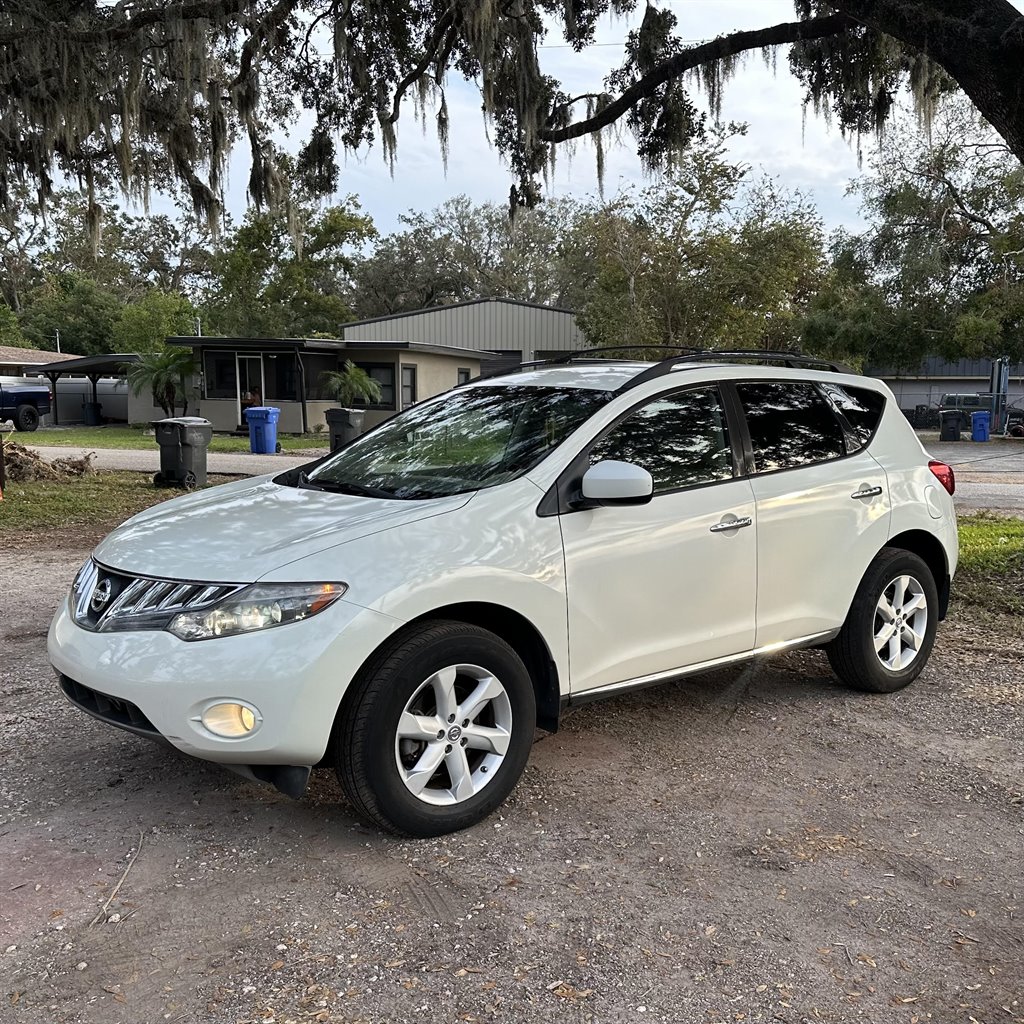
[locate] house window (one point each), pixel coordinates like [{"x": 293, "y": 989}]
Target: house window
[
  {"x": 408, "y": 386},
  {"x": 219, "y": 375},
  {"x": 384, "y": 375},
  {"x": 316, "y": 366},
  {"x": 464, "y": 374},
  {"x": 281, "y": 376}
]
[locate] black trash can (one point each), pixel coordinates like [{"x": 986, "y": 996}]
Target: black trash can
[
  {"x": 343, "y": 425},
  {"x": 183, "y": 442},
  {"x": 91, "y": 415},
  {"x": 949, "y": 425}
]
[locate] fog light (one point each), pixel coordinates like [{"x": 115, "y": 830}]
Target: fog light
[{"x": 229, "y": 720}]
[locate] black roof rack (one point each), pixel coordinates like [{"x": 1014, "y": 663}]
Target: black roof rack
[
  {"x": 740, "y": 355},
  {"x": 686, "y": 354}
]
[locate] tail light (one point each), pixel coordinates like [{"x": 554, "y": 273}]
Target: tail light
[{"x": 944, "y": 474}]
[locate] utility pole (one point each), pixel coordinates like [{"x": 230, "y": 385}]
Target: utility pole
[{"x": 56, "y": 334}]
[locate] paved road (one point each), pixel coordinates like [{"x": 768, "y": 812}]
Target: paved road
[
  {"x": 146, "y": 461},
  {"x": 989, "y": 476},
  {"x": 973, "y": 460}
]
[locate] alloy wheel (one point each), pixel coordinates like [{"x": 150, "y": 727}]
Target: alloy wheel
[
  {"x": 453, "y": 735},
  {"x": 901, "y": 622}
]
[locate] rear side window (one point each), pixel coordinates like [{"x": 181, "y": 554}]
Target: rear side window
[
  {"x": 790, "y": 425},
  {"x": 681, "y": 440},
  {"x": 861, "y": 408}
]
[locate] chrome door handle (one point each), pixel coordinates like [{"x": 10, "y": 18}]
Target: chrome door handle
[
  {"x": 868, "y": 492},
  {"x": 732, "y": 524}
]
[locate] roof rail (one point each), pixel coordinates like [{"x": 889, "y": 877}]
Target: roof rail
[
  {"x": 686, "y": 354},
  {"x": 583, "y": 355},
  {"x": 790, "y": 359},
  {"x": 587, "y": 353}
]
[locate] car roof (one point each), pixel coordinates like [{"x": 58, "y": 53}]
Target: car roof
[
  {"x": 615, "y": 375},
  {"x": 603, "y": 375}
]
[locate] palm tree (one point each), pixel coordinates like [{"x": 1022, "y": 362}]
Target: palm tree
[
  {"x": 350, "y": 384},
  {"x": 164, "y": 373}
]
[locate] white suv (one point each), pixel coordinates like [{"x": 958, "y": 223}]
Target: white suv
[{"x": 408, "y": 608}]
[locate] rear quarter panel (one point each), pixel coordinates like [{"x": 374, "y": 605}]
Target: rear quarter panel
[{"x": 919, "y": 501}]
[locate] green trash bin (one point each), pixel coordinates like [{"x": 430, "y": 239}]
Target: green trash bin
[{"x": 183, "y": 441}]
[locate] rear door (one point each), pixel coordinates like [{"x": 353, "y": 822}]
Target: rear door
[
  {"x": 822, "y": 508},
  {"x": 669, "y": 584}
]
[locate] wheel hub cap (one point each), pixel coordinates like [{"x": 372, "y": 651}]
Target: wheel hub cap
[
  {"x": 901, "y": 622},
  {"x": 453, "y": 735}
]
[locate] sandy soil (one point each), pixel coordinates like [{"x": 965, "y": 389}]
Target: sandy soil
[{"x": 755, "y": 845}]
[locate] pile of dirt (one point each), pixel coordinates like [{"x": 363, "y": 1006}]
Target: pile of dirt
[{"x": 23, "y": 465}]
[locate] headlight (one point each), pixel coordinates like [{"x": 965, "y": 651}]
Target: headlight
[{"x": 260, "y": 606}]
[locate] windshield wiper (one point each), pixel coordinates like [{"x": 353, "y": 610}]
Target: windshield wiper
[{"x": 336, "y": 487}]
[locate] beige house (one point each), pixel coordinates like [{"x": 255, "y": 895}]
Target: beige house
[{"x": 288, "y": 373}]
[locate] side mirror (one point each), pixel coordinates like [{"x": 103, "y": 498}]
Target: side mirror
[{"x": 616, "y": 483}]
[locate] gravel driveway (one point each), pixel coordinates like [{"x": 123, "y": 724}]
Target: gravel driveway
[{"x": 754, "y": 845}]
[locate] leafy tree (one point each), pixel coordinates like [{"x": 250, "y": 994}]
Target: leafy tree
[
  {"x": 164, "y": 373},
  {"x": 143, "y": 326},
  {"x": 75, "y": 305},
  {"x": 700, "y": 259},
  {"x": 131, "y": 255},
  {"x": 146, "y": 93},
  {"x": 940, "y": 270},
  {"x": 461, "y": 251},
  {"x": 269, "y": 283},
  {"x": 10, "y": 329}
]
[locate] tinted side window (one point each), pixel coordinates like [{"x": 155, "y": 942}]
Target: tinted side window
[
  {"x": 790, "y": 425},
  {"x": 682, "y": 440},
  {"x": 861, "y": 408}
]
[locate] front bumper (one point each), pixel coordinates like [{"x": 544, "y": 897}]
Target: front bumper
[{"x": 158, "y": 686}]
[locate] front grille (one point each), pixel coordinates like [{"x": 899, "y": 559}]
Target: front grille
[
  {"x": 112, "y": 710},
  {"x": 105, "y": 600}
]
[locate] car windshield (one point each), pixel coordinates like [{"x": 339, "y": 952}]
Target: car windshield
[{"x": 466, "y": 440}]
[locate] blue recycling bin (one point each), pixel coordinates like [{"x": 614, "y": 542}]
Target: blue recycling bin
[
  {"x": 980, "y": 424},
  {"x": 262, "y": 420}
]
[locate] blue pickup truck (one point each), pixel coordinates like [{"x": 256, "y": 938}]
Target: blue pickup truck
[{"x": 23, "y": 403}]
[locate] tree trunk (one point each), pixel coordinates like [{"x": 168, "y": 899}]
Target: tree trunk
[{"x": 980, "y": 44}]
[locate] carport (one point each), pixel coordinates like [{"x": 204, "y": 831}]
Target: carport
[{"x": 92, "y": 367}]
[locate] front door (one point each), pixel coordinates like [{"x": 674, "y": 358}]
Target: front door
[
  {"x": 250, "y": 384},
  {"x": 670, "y": 584}
]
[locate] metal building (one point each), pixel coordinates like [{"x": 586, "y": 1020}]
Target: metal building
[
  {"x": 513, "y": 331},
  {"x": 936, "y": 377}
]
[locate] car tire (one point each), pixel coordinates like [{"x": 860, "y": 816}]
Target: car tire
[
  {"x": 26, "y": 417},
  {"x": 888, "y": 635},
  {"x": 398, "y": 745}
]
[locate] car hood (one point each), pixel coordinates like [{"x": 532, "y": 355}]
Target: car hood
[{"x": 240, "y": 531}]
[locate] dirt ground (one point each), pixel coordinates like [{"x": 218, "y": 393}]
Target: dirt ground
[{"x": 754, "y": 845}]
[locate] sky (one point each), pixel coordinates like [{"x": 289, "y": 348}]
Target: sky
[{"x": 801, "y": 152}]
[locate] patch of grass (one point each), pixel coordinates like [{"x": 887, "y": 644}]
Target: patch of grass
[
  {"x": 991, "y": 543},
  {"x": 990, "y": 575},
  {"x": 97, "y": 501},
  {"x": 131, "y": 437}
]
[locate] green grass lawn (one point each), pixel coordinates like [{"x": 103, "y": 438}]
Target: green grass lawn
[
  {"x": 126, "y": 437},
  {"x": 991, "y": 571},
  {"x": 99, "y": 500}
]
